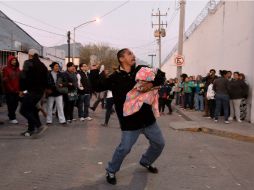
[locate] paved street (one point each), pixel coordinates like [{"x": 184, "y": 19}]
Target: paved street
[{"x": 74, "y": 158}]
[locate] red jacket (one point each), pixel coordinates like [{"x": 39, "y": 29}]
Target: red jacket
[{"x": 11, "y": 76}]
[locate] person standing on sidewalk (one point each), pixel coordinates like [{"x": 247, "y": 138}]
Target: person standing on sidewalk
[
  {"x": 210, "y": 95},
  {"x": 221, "y": 88},
  {"x": 199, "y": 94},
  {"x": 211, "y": 76},
  {"x": 141, "y": 122},
  {"x": 84, "y": 92},
  {"x": 33, "y": 82},
  {"x": 238, "y": 90},
  {"x": 177, "y": 91},
  {"x": 11, "y": 75},
  {"x": 187, "y": 89}
]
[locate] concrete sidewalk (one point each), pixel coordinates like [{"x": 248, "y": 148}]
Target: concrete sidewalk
[{"x": 195, "y": 122}]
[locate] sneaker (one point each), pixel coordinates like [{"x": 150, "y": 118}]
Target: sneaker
[
  {"x": 216, "y": 120},
  {"x": 150, "y": 168},
  {"x": 239, "y": 121},
  {"x": 88, "y": 118},
  {"x": 14, "y": 121},
  {"x": 82, "y": 119},
  {"x": 227, "y": 122},
  {"x": 27, "y": 133},
  {"x": 68, "y": 121},
  {"x": 104, "y": 125},
  {"x": 74, "y": 119},
  {"x": 230, "y": 118},
  {"x": 111, "y": 178}
]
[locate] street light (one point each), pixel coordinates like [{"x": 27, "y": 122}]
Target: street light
[{"x": 74, "y": 30}]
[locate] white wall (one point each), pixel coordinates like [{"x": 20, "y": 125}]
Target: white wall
[
  {"x": 54, "y": 54},
  {"x": 225, "y": 40},
  {"x": 22, "y": 57}
]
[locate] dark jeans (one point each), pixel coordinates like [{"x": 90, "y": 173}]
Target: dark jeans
[
  {"x": 168, "y": 104},
  {"x": 161, "y": 104},
  {"x": 30, "y": 111},
  {"x": 68, "y": 108},
  {"x": 12, "y": 101},
  {"x": 222, "y": 101},
  {"x": 83, "y": 105},
  {"x": 109, "y": 107},
  {"x": 211, "y": 105},
  {"x": 187, "y": 100}
]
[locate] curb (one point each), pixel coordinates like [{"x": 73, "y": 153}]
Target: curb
[
  {"x": 212, "y": 131},
  {"x": 232, "y": 135}
]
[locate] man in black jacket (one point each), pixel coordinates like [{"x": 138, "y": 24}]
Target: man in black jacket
[
  {"x": 33, "y": 82},
  {"x": 141, "y": 122},
  {"x": 84, "y": 91}
]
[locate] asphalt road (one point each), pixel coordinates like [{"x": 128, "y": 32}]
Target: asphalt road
[{"x": 74, "y": 158}]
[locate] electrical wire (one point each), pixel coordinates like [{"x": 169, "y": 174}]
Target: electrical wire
[
  {"x": 10, "y": 7},
  {"x": 114, "y": 9},
  {"x": 32, "y": 26}
]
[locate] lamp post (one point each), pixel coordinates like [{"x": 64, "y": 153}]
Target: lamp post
[{"x": 74, "y": 31}]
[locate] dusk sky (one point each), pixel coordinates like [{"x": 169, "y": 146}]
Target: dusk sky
[{"x": 125, "y": 23}]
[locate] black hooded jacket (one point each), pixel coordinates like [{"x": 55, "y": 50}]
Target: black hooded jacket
[{"x": 34, "y": 76}]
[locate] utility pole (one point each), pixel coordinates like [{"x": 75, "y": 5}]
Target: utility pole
[
  {"x": 181, "y": 33},
  {"x": 160, "y": 32},
  {"x": 69, "y": 47},
  {"x": 152, "y": 55}
]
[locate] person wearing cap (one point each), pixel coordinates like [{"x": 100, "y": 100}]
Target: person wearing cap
[
  {"x": 11, "y": 74},
  {"x": 33, "y": 82}
]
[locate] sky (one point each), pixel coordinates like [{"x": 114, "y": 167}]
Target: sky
[{"x": 122, "y": 23}]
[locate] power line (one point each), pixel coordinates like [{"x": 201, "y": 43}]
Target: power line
[
  {"x": 31, "y": 17},
  {"x": 114, "y": 9},
  {"x": 33, "y": 27}
]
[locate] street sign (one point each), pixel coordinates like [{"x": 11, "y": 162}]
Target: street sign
[{"x": 179, "y": 60}]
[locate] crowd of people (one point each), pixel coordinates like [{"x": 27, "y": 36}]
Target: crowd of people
[
  {"x": 214, "y": 95},
  {"x": 62, "y": 90}
]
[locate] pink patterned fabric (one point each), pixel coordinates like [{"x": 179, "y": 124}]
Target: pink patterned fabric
[{"x": 135, "y": 98}]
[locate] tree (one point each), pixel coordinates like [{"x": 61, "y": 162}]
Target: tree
[{"x": 106, "y": 55}]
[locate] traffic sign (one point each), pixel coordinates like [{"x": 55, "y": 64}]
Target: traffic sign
[{"x": 179, "y": 60}]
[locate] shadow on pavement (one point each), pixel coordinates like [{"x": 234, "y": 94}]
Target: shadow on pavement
[{"x": 138, "y": 182}]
